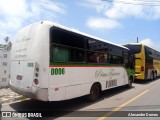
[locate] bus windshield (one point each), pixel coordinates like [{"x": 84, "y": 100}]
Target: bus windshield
[{"x": 134, "y": 48}]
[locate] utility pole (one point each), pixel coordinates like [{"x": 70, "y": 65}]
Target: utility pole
[{"x": 137, "y": 40}]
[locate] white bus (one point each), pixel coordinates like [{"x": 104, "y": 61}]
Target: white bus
[{"x": 50, "y": 62}]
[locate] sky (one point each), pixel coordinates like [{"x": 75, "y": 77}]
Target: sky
[{"x": 118, "y": 21}]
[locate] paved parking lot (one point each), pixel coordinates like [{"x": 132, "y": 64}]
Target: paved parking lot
[{"x": 7, "y": 95}]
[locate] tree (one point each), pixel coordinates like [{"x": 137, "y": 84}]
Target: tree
[
  {"x": 6, "y": 39},
  {"x": 8, "y": 44}
]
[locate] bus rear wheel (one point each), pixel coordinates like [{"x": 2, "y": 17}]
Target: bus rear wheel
[
  {"x": 94, "y": 92},
  {"x": 152, "y": 76},
  {"x": 155, "y": 75}
]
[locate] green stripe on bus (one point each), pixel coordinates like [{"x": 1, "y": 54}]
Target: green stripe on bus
[{"x": 83, "y": 64}]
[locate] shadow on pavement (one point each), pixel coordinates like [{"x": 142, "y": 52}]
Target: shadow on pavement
[
  {"x": 136, "y": 81},
  {"x": 62, "y": 108}
]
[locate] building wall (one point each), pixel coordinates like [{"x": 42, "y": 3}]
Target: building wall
[{"x": 4, "y": 68}]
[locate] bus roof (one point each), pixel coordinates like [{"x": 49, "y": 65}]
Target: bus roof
[
  {"x": 81, "y": 33},
  {"x": 134, "y": 44},
  {"x": 140, "y": 44}
]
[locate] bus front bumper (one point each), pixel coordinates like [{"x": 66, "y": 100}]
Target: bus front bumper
[{"x": 139, "y": 76}]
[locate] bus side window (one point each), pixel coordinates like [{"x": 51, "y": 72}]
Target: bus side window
[
  {"x": 105, "y": 58},
  {"x": 80, "y": 56},
  {"x": 100, "y": 58},
  {"x": 60, "y": 54},
  {"x": 96, "y": 57},
  {"x": 111, "y": 59},
  {"x": 132, "y": 61},
  {"x": 92, "y": 57},
  {"x": 126, "y": 59},
  {"x": 114, "y": 59},
  {"x": 77, "y": 55},
  {"x": 106, "y": 55}
]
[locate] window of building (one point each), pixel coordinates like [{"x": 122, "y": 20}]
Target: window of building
[
  {"x": 4, "y": 63},
  {"x": 5, "y": 55},
  {"x": 5, "y": 71}
]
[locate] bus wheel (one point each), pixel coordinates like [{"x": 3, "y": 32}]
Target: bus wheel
[
  {"x": 155, "y": 75},
  {"x": 94, "y": 92},
  {"x": 152, "y": 76},
  {"x": 129, "y": 85}
]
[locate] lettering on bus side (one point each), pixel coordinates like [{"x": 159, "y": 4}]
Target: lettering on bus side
[
  {"x": 57, "y": 71},
  {"x": 111, "y": 83}
]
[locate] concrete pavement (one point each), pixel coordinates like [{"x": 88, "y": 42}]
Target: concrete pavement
[{"x": 7, "y": 95}]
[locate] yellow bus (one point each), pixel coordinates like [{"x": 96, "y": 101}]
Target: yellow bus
[{"x": 147, "y": 61}]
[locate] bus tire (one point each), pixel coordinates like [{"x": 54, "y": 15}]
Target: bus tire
[
  {"x": 130, "y": 81},
  {"x": 155, "y": 75},
  {"x": 152, "y": 76},
  {"x": 94, "y": 92}
]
